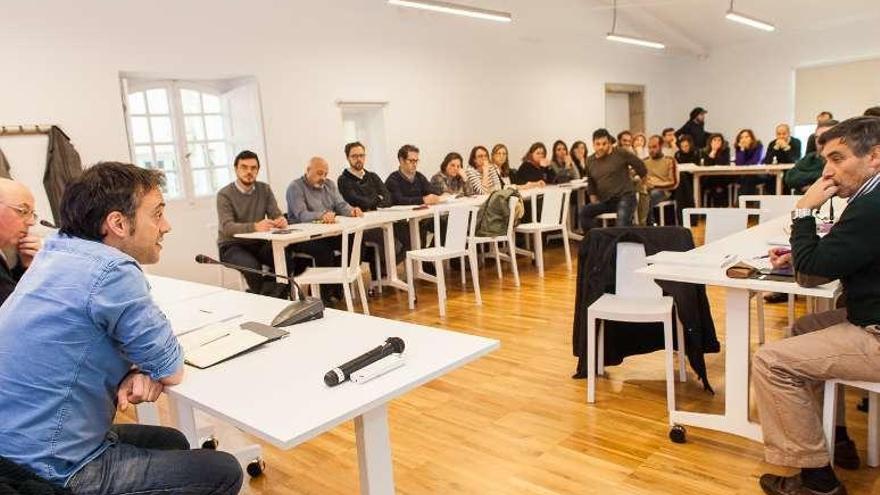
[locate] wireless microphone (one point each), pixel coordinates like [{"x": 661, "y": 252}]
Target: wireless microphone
[{"x": 343, "y": 372}]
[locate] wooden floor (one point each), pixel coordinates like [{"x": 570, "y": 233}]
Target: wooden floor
[{"x": 515, "y": 422}]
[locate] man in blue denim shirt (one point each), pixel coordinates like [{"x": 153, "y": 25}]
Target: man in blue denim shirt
[{"x": 81, "y": 336}]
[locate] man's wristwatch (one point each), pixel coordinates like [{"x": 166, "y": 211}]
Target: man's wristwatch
[{"x": 799, "y": 213}]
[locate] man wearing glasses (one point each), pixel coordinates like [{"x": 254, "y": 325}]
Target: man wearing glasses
[
  {"x": 408, "y": 186},
  {"x": 16, "y": 218}
]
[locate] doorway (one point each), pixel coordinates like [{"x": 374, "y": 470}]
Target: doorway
[{"x": 624, "y": 108}]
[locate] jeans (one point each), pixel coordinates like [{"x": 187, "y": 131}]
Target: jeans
[
  {"x": 624, "y": 206},
  {"x": 147, "y": 460},
  {"x": 656, "y": 196}
]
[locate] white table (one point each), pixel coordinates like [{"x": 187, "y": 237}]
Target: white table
[
  {"x": 277, "y": 392},
  {"x": 747, "y": 244},
  {"x": 698, "y": 171}
]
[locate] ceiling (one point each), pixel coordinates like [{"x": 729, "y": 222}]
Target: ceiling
[{"x": 692, "y": 27}]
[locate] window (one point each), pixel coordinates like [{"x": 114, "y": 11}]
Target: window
[
  {"x": 803, "y": 132},
  {"x": 186, "y": 128}
]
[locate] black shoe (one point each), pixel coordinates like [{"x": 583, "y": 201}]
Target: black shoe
[
  {"x": 775, "y": 297},
  {"x": 792, "y": 485},
  {"x": 846, "y": 456}
]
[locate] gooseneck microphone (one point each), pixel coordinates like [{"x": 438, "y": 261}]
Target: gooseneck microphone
[
  {"x": 342, "y": 373},
  {"x": 207, "y": 260}
]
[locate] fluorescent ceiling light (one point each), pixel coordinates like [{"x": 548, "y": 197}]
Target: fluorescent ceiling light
[
  {"x": 748, "y": 21},
  {"x": 635, "y": 41},
  {"x": 451, "y": 8}
]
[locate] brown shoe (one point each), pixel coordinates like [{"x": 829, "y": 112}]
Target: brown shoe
[
  {"x": 791, "y": 485},
  {"x": 845, "y": 455}
]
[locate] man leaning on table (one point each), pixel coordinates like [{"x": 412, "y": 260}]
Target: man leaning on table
[
  {"x": 314, "y": 198},
  {"x": 838, "y": 344},
  {"x": 81, "y": 337},
  {"x": 248, "y": 205}
]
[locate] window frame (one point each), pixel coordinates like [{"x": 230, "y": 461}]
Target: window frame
[{"x": 184, "y": 170}]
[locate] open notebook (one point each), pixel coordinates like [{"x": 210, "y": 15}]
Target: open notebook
[{"x": 214, "y": 344}]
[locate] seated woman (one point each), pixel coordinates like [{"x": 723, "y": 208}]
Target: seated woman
[
  {"x": 640, "y": 146},
  {"x": 451, "y": 177},
  {"x": 716, "y": 152},
  {"x": 578, "y": 155},
  {"x": 502, "y": 164},
  {"x": 482, "y": 177},
  {"x": 687, "y": 152},
  {"x": 748, "y": 152},
  {"x": 562, "y": 164},
  {"x": 535, "y": 170}
]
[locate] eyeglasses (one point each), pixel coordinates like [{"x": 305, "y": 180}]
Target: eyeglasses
[
  {"x": 358, "y": 155},
  {"x": 412, "y": 161},
  {"x": 23, "y": 211}
]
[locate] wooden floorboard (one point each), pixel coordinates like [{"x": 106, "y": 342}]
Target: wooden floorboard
[{"x": 515, "y": 422}]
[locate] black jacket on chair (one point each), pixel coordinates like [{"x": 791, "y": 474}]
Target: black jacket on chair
[{"x": 596, "y": 276}]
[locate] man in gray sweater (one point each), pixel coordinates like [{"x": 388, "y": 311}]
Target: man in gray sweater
[
  {"x": 315, "y": 198},
  {"x": 244, "y": 206}
]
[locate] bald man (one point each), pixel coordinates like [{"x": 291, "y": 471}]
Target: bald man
[
  {"x": 785, "y": 148},
  {"x": 16, "y": 218},
  {"x": 315, "y": 198}
]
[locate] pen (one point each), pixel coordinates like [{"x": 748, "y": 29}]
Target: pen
[
  {"x": 781, "y": 252},
  {"x": 215, "y": 339}
]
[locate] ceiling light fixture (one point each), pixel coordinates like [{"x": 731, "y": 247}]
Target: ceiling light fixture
[
  {"x": 735, "y": 16},
  {"x": 631, "y": 40},
  {"x": 452, "y": 8}
]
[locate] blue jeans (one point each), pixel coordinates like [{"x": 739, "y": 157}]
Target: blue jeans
[
  {"x": 149, "y": 460},
  {"x": 656, "y": 196},
  {"x": 624, "y": 206}
]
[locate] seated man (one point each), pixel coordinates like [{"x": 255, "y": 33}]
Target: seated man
[
  {"x": 359, "y": 187},
  {"x": 662, "y": 177},
  {"x": 823, "y": 117},
  {"x": 789, "y": 374},
  {"x": 408, "y": 186},
  {"x": 783, "y": 149},
  {"x": 364, "y": 189},
  {"x": 808, "y": 169},
  {"x": 16, "y": 217},
  {"x": 82, "y": 336},
  {"x": 314, "y": 198},
  {"x": 609, "y": 184},
  {"x": 244, "y": 206}
]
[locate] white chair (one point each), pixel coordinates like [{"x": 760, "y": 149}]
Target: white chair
[
  {"x": 661, "y": 206},
  {"x": 771, "y": 206},
  {"x": 347, "y": 273},
  {"x": 509, "y": 238},
  {"x": 637, "y": 299},
  {"x": 553, "y": 218},
  {"x": 606, "y": 217},
  {"x": 454, "y": 246},
  {"x": 829, "y": 416}
]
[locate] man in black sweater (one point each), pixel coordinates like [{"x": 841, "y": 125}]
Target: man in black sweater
[
  {"x": 841, "y": 344},
  {"x": 783, "y": 149},
  {"x": 16, "y": 218},
  {"x": 408, "y": 186},
  {"x": 365, "y": 190},
  {"x": 360, "y": 187},
  {"x": 695, "y": 127}
]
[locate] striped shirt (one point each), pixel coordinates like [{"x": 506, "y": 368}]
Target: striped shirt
[
  {"x": 867, "y": 187},
  {"x": 475, "y": 184}
]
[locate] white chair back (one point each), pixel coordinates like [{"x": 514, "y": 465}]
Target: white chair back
[
  {"x": 628, "y": 283},
  {"x": 352, "y": 264},
  {"x": 555, "y": 206},
  {"x": 771, "y": 206},
  {"x": 720, "y": 222},
  {"x": 457, "y": 227}
]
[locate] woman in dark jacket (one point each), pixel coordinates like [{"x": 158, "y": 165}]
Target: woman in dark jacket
[
  {"x": 535, "y": 170},
  {"x": 716, "y": 152}
]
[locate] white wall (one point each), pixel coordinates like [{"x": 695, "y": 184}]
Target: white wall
[
  {"x": 450, "y": 82},
  {"x": 752, "y": 85},
  {"x": 847, "y": 88}
]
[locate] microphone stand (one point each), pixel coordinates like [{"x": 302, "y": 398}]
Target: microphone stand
[{"x": 300, "y": 296}]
